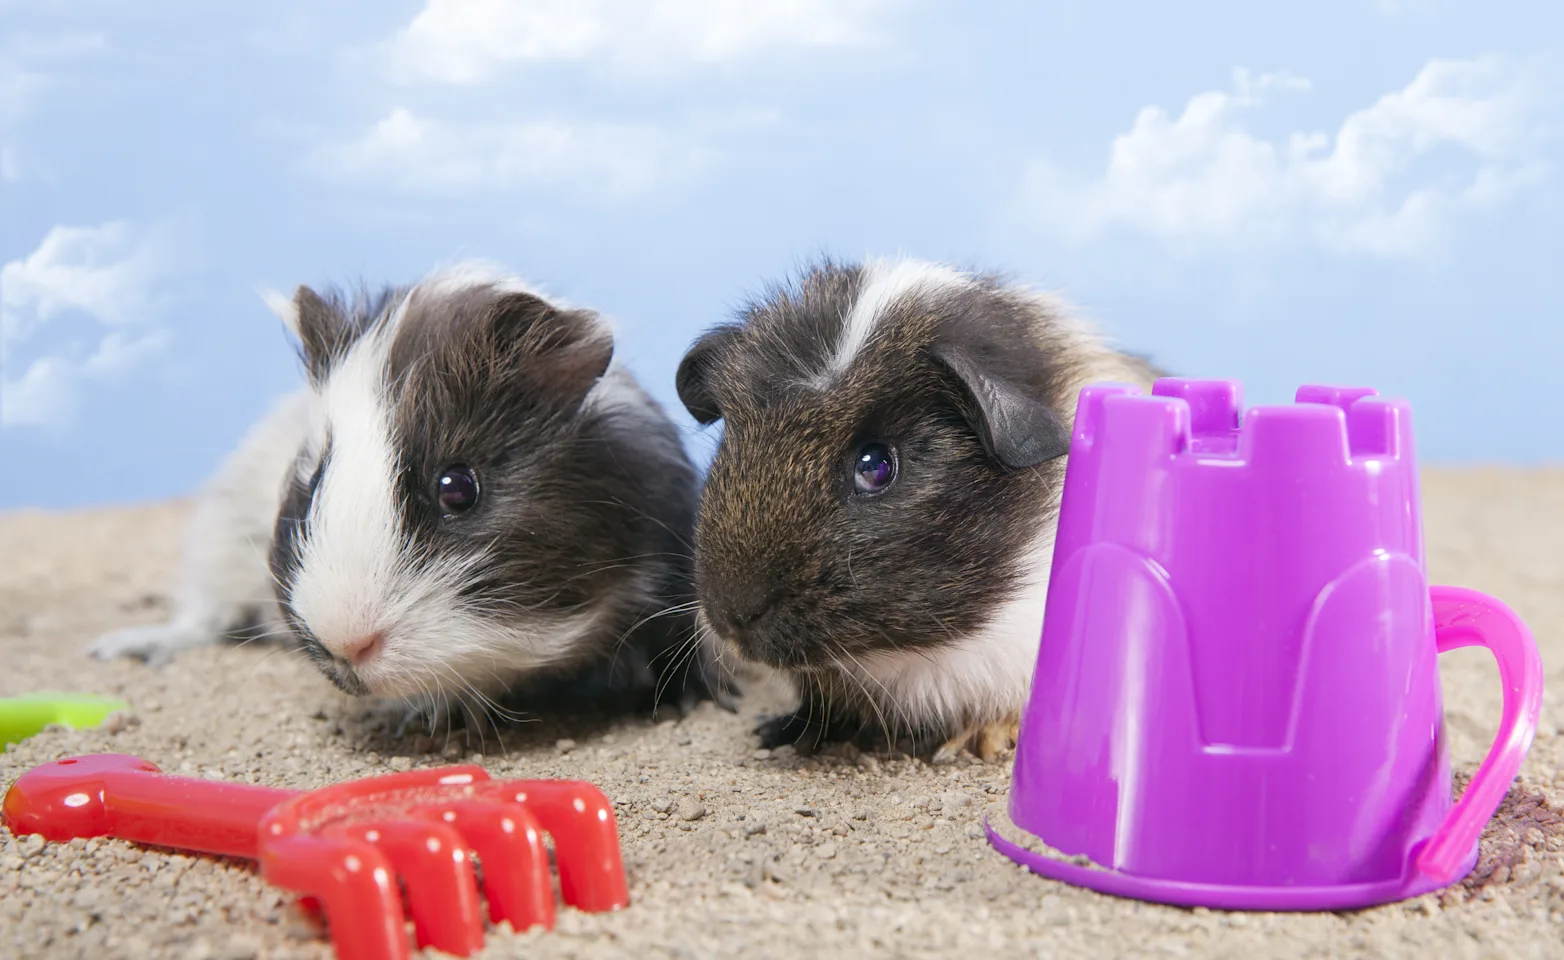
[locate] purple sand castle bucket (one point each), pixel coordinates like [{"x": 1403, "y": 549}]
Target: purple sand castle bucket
[{"x": 1236, "y": 701}]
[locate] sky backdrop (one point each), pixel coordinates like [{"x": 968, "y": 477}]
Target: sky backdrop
[{"x": 1283, "y": 192}]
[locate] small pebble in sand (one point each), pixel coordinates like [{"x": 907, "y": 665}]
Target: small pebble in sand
[
  {"x": 691, "y": 809},
  {"x": 752, "y": 828},
  {"x": 826, "y": 850},
  {"x": 400, "y": 764},
  {"x": 661, "y": 806},
  {"x": 31, "y": 845},
  {"x": 564, "y": 745},
  {"x": 238, "y": 949},
  {"x": 762, "y": 754},
  {"x": 755, "y": 875},
  {"x": 804, "y": 811}
]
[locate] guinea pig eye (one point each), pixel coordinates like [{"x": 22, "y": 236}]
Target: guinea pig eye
[
  {"x": 874, "y": 468},
  {"x": 458, "y": 490}
]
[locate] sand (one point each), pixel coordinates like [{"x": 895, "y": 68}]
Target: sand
[{"x": 730, "y": 851}]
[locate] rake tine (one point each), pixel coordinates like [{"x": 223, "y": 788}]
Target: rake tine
[
  {"x": 586, "y": 838},
  {"x": 509, "y": 843},
  {"x": 434, "y": 864},
  {"x": 354, "y": 884}
]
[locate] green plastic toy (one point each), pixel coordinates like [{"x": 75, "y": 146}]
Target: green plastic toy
[{"x": 21, "y": 717}]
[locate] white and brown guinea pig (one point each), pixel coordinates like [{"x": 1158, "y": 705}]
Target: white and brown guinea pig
[
  {"x": 878, "y": 519},
  {"x": 469, "y": 504}
]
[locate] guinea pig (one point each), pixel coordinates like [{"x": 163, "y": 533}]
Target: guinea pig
[
  {"x": 469, "y": 504},
  {"x": 877, "y": 521}
]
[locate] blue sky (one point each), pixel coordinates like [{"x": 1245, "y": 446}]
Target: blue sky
[{"x": 1364, "y": 192}]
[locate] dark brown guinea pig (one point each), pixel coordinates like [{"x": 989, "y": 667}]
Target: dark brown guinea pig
[{"x": 878, "y": 521}]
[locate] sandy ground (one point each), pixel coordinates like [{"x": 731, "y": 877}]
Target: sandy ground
[{"x": 730, "y": 851}]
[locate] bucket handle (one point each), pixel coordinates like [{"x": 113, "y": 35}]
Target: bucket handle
[{"x": 1466, "y": 618}]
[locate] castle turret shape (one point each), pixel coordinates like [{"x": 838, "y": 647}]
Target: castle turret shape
[{"x": 1237, "y": 687}]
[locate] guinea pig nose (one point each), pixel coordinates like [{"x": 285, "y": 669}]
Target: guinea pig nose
[
  {"x": 746, "y": 607},
  {"x": 363, "y": 649}
]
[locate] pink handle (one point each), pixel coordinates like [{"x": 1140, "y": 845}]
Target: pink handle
[{"x": 1465, "y": 618}]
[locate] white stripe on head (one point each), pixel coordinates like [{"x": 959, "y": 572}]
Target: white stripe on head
[
  {"x": 883, "y": 285},
  {"x": 353, "y": 556}
]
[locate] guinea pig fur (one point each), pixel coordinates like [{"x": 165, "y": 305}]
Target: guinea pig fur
[
  {"x": 470, "y": 504},
  {"x": 877, "y": 523}
]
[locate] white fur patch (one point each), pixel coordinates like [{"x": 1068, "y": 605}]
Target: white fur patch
[
  {"x": 225, "y": 581},
  {"x": 353, "y": 559},
  {"x": 884, "y": 283},
  {"x": 986, "y": 674}
]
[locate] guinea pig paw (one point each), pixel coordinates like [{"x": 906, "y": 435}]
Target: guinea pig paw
[
  {"x": 987, "y": 742},
  {"x": 996, "y": 738},
  {"x": 794, "y": 730},
  {"x": 950, "y": 749},
  {"x": 155, "y": 645}
]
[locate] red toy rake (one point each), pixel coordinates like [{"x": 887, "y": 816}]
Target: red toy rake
[{"x": 344, "y": 846}]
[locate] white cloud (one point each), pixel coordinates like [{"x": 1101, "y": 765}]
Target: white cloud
[
  {"x": 1388, "y": 182},
  {"x": 49, "y": 390},
  {"x": 464, "y": 130},
  {"x": 106, "y": 275},
  {"x": 467, "y": 41},
  {"x": 421, "y": 155}
]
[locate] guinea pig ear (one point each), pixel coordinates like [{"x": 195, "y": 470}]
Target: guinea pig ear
[
  {"x": 570, "y": 350},
  {"x": 1017, "y": 430},
  {"x": 323, "y": 330},
  {"x": 693, "y": 379}
]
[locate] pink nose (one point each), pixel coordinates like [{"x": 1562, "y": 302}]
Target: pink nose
[{"x": 363, "y": 649}]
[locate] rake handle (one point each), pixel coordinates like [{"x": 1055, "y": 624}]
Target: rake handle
[{"x": 128, "y": 798}]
